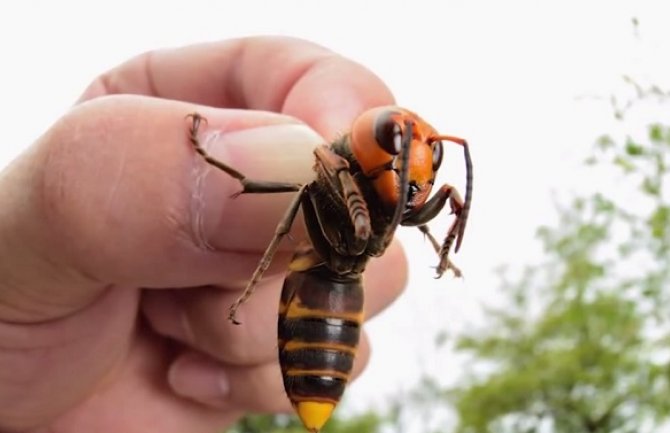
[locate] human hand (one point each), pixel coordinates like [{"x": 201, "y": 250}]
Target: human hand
[{"x": 113, "y": 233}]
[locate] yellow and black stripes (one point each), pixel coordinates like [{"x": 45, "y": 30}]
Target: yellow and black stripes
[{"x": 319, "y": 329}]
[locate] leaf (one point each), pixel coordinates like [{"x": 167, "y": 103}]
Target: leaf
[
  {"x": 605, "y": 142},
  {"x": 660, "y": 222},
  {"x": 651, "y": 186},
  {"x": 634, "y": 149},
  {"x": 624, "y": 163},
  {"x": 656, "y": 133}
]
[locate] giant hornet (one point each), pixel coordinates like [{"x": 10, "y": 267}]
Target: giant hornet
[{"x": 368, "y": 182}]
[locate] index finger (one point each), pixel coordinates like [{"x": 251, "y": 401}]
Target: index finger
[{"x": 286, "y": 75}]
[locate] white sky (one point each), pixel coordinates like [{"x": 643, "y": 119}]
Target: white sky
[{"x": 521, "y": 80}]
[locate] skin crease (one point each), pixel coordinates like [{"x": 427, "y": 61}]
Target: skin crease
[{"x": 101, "y": 206}]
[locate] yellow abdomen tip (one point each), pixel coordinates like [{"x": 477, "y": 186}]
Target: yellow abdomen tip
[{"x": 314, "y": 414}]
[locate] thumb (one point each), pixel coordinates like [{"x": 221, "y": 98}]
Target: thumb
[{"x": 114, "y": 194}]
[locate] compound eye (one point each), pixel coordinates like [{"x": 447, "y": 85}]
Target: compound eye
[
  {"x": 388, "y": 133},
  {"x": 437, "y": 155}
]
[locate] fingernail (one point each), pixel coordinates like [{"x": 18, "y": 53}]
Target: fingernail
[
  {"x": 276, "y": 152},
  {"x": 282, "y": 152},
  {"x": 199, "y": 378}
]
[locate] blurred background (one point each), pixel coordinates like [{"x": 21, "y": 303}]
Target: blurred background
[{"x": 559, "y": 324}]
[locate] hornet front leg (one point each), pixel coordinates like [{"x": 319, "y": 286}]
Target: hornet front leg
[
  {"x": 429, "y": 211},
  {"x": 251, "y": 186}
]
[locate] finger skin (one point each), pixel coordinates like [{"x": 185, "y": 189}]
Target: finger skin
[
  {"x": 136, "y": 398},
  {"x": 306, "y": 81},
  {"x": 46, "y": 368}
]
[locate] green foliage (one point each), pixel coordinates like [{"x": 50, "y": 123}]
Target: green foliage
[
  {"x": 365, "y": 423},
  {"x": 583, "y": 366},
  {"x": 268, "y": 424},
  {"x": 582, "y": 345}
]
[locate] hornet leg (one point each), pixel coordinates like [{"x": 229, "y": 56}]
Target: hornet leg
[
  {"x": 282, "y": 230},
  {"x": 335, "y": 170},
  {"x": 429, "y": 211},
  {"x": 248, "y": 185},
  {"x": 436, "y": 246},
  {"x": 251, "y": 186}
]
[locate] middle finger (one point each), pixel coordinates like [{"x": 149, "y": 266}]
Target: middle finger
[{"x": 199, "y": 317}]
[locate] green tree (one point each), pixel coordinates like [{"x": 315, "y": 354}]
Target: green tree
[{"x": 582, "y": 344}]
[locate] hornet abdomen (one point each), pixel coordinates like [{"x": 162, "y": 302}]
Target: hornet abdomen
[{"x": 320, "y": 317}]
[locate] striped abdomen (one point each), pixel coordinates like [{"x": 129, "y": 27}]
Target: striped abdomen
[{"x": 320, "y": 317}]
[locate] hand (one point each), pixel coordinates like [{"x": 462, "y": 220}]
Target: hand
[{"x": 121, "y": 250}]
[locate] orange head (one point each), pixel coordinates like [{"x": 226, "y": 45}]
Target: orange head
[{"x": 376, "y": 142}]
